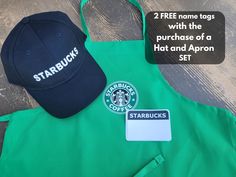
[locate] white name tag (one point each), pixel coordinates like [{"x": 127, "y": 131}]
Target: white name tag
[{"x": 148, "y": 125}]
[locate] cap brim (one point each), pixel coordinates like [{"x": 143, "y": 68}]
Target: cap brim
[{"x": 75, "y": 94}]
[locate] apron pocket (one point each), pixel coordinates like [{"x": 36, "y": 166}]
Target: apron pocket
[{"x": 151, "y": 166}]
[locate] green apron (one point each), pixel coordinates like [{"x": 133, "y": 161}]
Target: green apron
[{"x": 92, "y": 143}]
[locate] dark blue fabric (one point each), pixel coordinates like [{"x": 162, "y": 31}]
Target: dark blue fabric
[
  {"x": 77, "y": 93},
  {"x": 45, "y": 53}
]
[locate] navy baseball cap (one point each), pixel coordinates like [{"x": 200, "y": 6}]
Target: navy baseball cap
[{"x": 45, "y": 54}]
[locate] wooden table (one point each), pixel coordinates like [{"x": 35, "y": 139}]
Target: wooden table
[{"x": 118, "y": 20}]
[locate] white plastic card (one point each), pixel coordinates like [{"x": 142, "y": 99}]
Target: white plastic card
[{"x": 148, "y": 125}]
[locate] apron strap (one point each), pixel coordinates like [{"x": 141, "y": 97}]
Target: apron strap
[
  {"x": 136, "y": 4},
  {"x": 85, "y": 28},
  {"x": 83, "y": 22},
  {"x": 5, "y": 118},
  {"x": 151, "y": 166}
]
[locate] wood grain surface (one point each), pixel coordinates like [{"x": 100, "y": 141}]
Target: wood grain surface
[{"x": 118, "y": 20}]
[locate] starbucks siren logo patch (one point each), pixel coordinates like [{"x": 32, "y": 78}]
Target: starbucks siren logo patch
[{"x": 120, "y": 96}]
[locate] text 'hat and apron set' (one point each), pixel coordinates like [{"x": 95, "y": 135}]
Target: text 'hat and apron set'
[{"x": 106, "y": 134}]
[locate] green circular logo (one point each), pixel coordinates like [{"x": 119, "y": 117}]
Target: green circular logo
[{"x": 120, "y": 96}]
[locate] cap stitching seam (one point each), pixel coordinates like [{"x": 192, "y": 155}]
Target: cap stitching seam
[
  {"x": 13, "y": 56},
  {"x": 44, "y": 45},
  {"x": 60, "y": 83}
]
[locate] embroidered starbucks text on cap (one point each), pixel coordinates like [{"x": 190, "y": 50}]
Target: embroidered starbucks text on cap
[{"x": 45, "y": 53}]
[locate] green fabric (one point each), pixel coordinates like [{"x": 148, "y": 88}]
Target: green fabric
[{"x": 92, "y": 143}]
